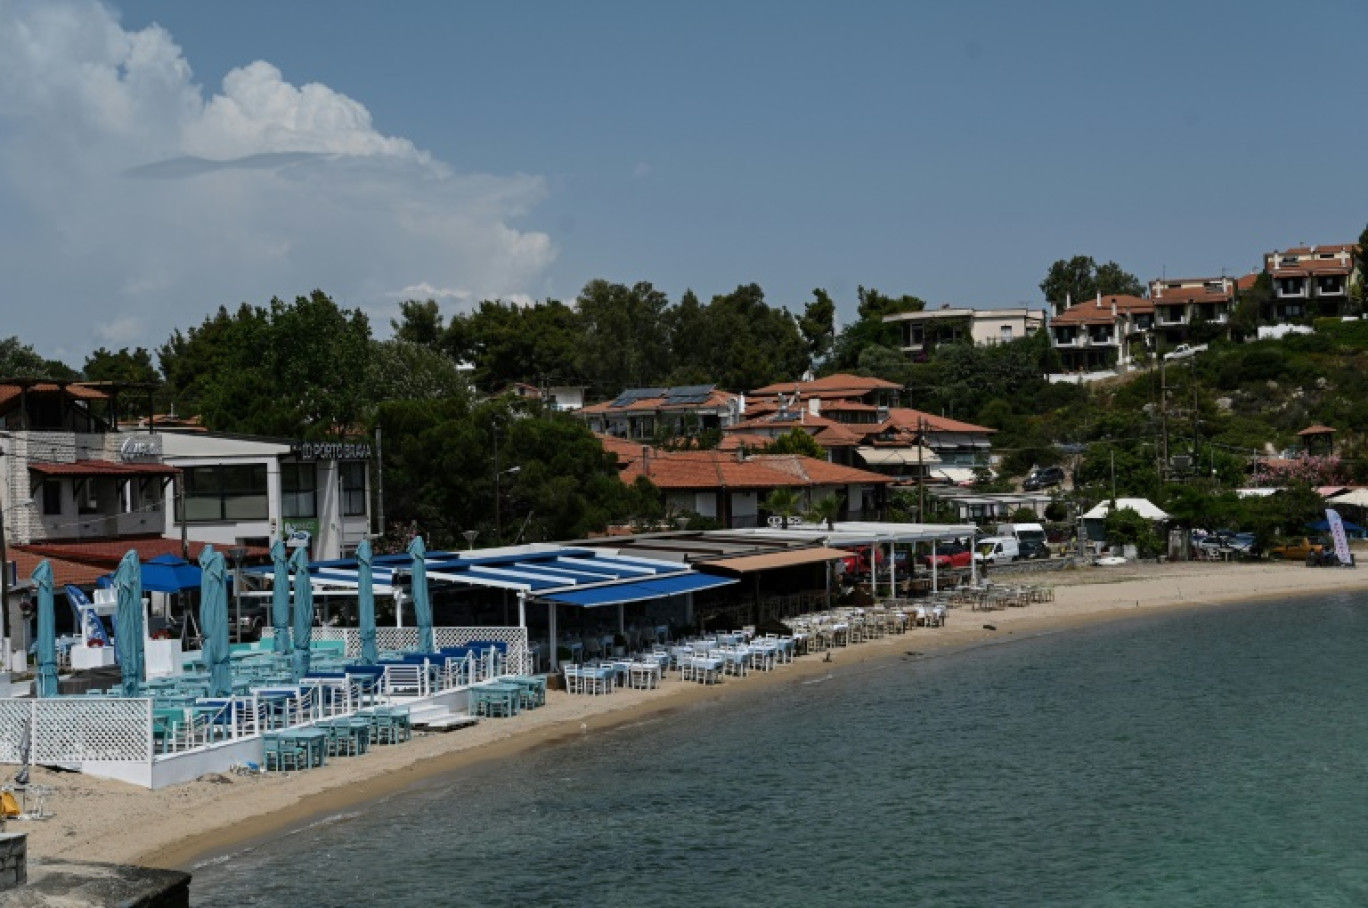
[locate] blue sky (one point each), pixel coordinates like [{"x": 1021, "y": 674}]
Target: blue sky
[{"x": 464, "y": 150}]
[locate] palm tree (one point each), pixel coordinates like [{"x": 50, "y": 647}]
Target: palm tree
[
  {"x": 781, "y": 502},
  {"x": 826, "y": 510}
]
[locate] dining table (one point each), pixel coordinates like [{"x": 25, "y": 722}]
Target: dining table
[{"x": 309, "y": 738}]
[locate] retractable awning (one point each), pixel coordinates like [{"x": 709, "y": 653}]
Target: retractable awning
[
  {"x": 749, "y": 563},
  {"x": 639, "y": 590},
  {"x": 897, "y": 456}
]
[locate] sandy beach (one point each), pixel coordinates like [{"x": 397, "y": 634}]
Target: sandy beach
[{"x": 175, "y": 827}]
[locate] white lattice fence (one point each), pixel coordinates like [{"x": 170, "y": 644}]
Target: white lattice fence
[
  {"x": 406, "y": 638},
  {"x": 77, "y": 730}
]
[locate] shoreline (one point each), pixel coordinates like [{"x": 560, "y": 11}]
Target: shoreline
[{"x": 105, "y": 820}]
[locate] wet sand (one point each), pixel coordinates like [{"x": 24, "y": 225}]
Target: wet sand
[{"x": 176, "y": 827}]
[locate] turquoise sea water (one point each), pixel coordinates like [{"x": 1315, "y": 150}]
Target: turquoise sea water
[{"x": 1203, "y": 758}]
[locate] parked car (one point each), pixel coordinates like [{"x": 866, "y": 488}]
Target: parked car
[
  {"x": 1245, "y": 544},
  {"x": 1299, "y": 549},
  {"x": 1183, "y": 351},
  {"x": 1043, "y": 478},
  {"x": 949, "y": 555},
  {"x": 1033, "y": 548},
  {"x": 857, "y": 564}
]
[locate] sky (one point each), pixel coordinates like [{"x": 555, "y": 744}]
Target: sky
[{"x": 159, "y": 160}]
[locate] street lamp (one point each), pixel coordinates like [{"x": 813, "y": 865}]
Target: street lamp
[
  {"x": 237, "y": 553},
  {"x": 498, "y": 496}
]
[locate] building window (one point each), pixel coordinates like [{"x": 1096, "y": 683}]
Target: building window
[
  {"x": 353, "y": 488},
  {"x": 224, "y": 493},
  {"x": 298, "y": 490},
  {"x": 1006, "y": 334},
  {"x": 52, "y": 496}
]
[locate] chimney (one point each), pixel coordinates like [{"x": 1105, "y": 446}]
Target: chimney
[
  {"x": 1113, "y": 307},
  {"x": 646, "y": 459},
  {"x": 1099, "y": 299},
  {"x": 741, "y": 404},
  {"x": 815, "y": 406}
]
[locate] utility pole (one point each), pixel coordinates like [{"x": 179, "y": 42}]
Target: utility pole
[
  {"x": 379, "y": 484},
  {"x": 4, "y": 575},
  {"x": 921, "y": 470},
  {"x": 1163, "y": 421}
]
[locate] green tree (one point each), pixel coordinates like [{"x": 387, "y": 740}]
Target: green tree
[
  {"x": 624, "y": 342},
  {"x": 746, "y": 343},
  {"x": 133, "y": 367},
  {"x": 781, "y": 502},
  {"x": 870, "y": 330},
  {"x": 796, "y": 441},
  {"x": 1125, "y": 526},
  {"x": 420, "y": 323},
  {"x": 20, "y": 360},
  {"x": 1079, "y": 278},
  {"x": 401, "y": 369},
  {"x": 1249, "y": 307},
  {"x": 818, "y": 324},
  {"x": 291, "y": 369}
]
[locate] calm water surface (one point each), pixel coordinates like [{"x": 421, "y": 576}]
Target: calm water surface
[{"x": 1215, "y": 758}]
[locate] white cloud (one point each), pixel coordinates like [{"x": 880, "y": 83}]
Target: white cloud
[
  {"x": 132, "y": 199},
  {"x": 425, "y": 291}
]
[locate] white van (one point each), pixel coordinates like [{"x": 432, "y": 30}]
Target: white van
[
  {"x": 1023, "y": 532},
  {"x": 997, "y": 550}
]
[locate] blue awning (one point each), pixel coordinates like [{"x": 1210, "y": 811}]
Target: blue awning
[{"x": 640, "y": 590}]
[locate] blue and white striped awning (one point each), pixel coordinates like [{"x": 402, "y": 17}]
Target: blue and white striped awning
[{"x": 576, "y": 576}]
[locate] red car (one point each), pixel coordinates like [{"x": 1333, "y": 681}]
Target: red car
[
  {"x": 949, "y": 555},
  {"x": 857, "y": 563}
]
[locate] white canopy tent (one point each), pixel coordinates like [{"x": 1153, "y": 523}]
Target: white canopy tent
[{"x": 855, "y": 533}]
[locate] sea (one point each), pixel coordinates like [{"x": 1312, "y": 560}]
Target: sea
[{"x": 1208, "y": 758}]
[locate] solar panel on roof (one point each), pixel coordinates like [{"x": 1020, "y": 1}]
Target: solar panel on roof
[
  {"x": 632, "y": 395},
  {"x": 690, "y": 391}
]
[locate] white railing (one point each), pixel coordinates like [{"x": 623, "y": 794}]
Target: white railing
[{"x": 399, "y": 639}]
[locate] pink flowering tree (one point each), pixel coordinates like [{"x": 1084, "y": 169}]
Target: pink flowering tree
[{"x": 1315, "y": 470}]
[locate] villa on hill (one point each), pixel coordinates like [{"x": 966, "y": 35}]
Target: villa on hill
[{"x": 731, "y": 487}]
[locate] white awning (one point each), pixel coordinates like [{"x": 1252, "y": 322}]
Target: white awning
[
  {"x": 897, "y": 456},
  {"x": 1142, "y": 506}
]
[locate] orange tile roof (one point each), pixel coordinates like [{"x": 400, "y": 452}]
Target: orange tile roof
[
  {"x": 1246, "y": 282},
  {"x": 716, "y": 398},
  {"x": 105, "y": 553},
  {"x": 719, "y": 470},
  {"x": 733, "y": 441},
  {"x": 63, "y": 572},
  {"x": 1316, "y": 430},
  {"x": 12, "y": 392},
  {"x": 907, "y": 418},
  {"x": 102, "y": 468},
  {"x": 1090, "y": 313},
  {"x": 1314, "y": 250},
  {"x": 840, "y": 382},
  {"x": 1195, "y": 291}
]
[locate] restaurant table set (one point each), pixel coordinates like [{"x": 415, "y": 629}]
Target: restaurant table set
[
  {"x": 706, "y": 660},
  {"x": 847, "y": 626},
  {"x": 507, "y": 696}
]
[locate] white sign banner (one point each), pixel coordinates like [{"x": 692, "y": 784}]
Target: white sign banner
[{"x": 1332, "y": 517}]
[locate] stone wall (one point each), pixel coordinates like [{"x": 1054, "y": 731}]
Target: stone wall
[{"x": 13, "y": 859}]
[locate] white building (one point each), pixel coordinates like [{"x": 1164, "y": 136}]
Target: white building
[
  {"x": 920, "y": 332},
  {"x": 248, "y": 491}
]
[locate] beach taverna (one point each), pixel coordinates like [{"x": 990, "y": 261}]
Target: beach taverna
[{"x": 265, "y": 707}]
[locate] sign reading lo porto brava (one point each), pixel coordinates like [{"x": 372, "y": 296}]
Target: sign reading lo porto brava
[{"x": 331, "y": 450}]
